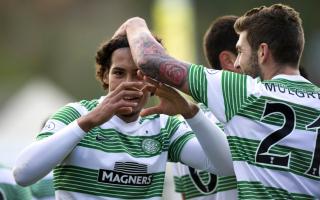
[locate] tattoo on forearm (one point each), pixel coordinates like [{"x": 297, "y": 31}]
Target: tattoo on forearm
[
  {"x": 173, "y": 72},
  {"x": 146, "y": 46},
  {"x": 155, "y": 63}
]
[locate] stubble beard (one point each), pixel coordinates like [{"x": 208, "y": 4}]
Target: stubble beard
[{"x": 254, "y": 68}]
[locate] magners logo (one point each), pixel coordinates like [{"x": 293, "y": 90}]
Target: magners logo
[{"x": 126, "y": 173}]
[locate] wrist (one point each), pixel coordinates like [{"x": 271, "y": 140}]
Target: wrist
[
  {"x": 85, "y": 123},
  {"x": 191, "y": 112}
]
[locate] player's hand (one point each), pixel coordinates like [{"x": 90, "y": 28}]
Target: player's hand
[
  {"x": 134, "y": 21},
  {"x": 116, "y": 102},
  {"x": 171, "y": 102}
]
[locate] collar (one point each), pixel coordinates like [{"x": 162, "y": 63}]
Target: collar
[{"x": 291, "y": 77}]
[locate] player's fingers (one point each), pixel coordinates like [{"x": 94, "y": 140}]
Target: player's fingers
[
  {"x": 126, "y": 95},
  {"x": 149, "y": 88},
  {"x": 150, "y": 111},
  {"x": 134, "y": 86}
]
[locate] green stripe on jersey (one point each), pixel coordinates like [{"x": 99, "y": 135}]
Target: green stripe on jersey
[
  {"x": 149, "y": 117},
  {"x": 178, "y": 184},
  {"x": 185, "y": 184},
  {"x": 198, "y": 84},
  {"x": 117, "y": 142},
  {"x": 234, "y": 94},
  {"x": 176, "y": 147},
  {"x": 245, "y": 150},
  {"x": 255, "y": 190},
  {"x": 66, "y": 114},
  {"x": 172, "y": 125},
  {"x": 90, "y": 105},
  {"x": 43, "y": 135},
  {"x": 84, "y": 180}
]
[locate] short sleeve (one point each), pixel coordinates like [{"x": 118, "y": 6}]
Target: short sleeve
[
  {"x": 58, "y": 120},
  {"x": 223, "y": 92},
  {"x": 180, "y": 133}
]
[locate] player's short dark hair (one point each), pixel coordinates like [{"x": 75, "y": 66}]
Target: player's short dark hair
[
  {"x": 279, "y": 26},
  {"x": 220, "y": 36}
]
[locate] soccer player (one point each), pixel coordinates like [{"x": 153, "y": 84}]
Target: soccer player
[
  {"x": 219, "y": 44},
  {"x": 102, "y": 149},
  {"x": 9, "y": 189},
  {"x": 272, "y": 117}
]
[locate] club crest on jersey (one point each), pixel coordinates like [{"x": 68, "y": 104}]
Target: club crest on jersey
[
  {"x": 151, "y": 146},
  {"x": 126, "y": 173}
]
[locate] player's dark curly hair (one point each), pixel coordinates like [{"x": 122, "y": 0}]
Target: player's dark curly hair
[{"x": 104, "y": 55}]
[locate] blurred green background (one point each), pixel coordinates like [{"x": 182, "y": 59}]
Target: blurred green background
[{"x": 58, "y": 39}]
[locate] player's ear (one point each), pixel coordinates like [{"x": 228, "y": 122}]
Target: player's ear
[
  {"x": 227, "y": 59},
  {"x": 105, "y": 79},
  {"x": 263, "y": 52}
]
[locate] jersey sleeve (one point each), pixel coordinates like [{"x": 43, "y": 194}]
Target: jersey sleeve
[
  {"x": 179, "y": 134},
  {"x": 59, "y": 120},
  {"x": 222, "y": 91}
]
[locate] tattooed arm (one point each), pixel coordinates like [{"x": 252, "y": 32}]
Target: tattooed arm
[{"x": 151, "y": 57}]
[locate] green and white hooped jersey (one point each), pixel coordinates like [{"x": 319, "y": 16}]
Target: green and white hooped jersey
[
  {"x": 43, "y": 189},
  {"x": 201, "y": 185},
  {"x": 9, "y": 190},
  {"x": 272, "y": 128},
  {"x": 117, "y": 160}
]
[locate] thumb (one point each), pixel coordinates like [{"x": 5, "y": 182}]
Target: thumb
[{"x": 150, "y": 111}]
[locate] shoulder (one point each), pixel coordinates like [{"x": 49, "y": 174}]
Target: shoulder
[{"x": 78, "y": 109}]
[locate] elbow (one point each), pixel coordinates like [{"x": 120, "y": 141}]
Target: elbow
[
  {"x": 141, "y": 63},
  {"x": 145, "y": 62},
  {"x": 21, "y": 177}
]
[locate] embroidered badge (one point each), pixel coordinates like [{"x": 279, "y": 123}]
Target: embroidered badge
[{"x": 151, "y": 146}]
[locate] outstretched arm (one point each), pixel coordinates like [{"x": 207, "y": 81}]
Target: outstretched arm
[
  {"x": 214, "y": 153},
  {"x": 214, "y": 143},
  {"x": 151, "y": 57}
]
